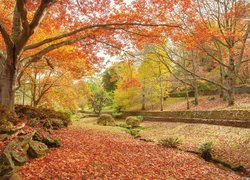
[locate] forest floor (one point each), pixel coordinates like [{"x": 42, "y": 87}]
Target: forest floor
[
  {"x": 90, "y": 151},
  {"x": 242, "y": 101}
]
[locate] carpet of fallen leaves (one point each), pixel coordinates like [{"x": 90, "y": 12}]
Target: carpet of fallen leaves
[
  {"x": 91, "y": 154},
  {"x": 230, "y": 144},
  {"x": 241, "y": 102}
]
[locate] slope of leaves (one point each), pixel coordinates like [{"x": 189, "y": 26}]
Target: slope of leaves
[
  {"x": 98, "y": 154},
  {"x": 230, "y": 144}
]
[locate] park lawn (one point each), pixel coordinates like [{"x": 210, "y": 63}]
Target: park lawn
[{"x": 90, "y": 151}]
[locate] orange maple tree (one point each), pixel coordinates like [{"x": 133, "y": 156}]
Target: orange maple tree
[{"x": 32, "y": 29}]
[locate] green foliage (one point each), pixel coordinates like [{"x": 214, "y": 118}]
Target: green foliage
[
  {"x": 171, "y": 142},
  {"x": 133, "y": 121},
  {"x": 109, "y": 79},
  {"x": 77, "y": 116},
  {"x": 99, "y": 98},
  {"x": 106, "y": 120},
  {"x": 140, "y": 118},
  {"x": 117, "y": 115},
  {"x": 206, "y": 150},
  {"x": 134, "y": 132}
]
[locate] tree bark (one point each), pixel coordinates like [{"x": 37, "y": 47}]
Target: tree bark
[
  {"x": 143, "y": 102},
  {"x": 7, "y": 87},
  {"x": 231, "y": 81}
]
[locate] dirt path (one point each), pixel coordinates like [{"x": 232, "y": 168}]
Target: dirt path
[{"x": 90, "y": 154}]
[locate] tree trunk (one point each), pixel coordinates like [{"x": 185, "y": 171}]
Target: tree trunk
[
  {"x": 187, "y": 97},
  {"x": 7, "y": 87},
  {"x": 231, "y": 81},
  {"x": 161, "y": 88},
  {"x": 143, "y": 102},
  {"x": 196, "y": 96},
  {"x": 223, "y": 93},
  {"x": 195, "y": 84}
]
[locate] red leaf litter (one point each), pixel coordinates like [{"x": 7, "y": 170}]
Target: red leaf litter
[{"x": 89, "y": 154}]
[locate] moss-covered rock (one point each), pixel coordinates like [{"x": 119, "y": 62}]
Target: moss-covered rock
[
  {"x": 54, "y": 124},
  {"x": 49, "y": 141},
  {"x": 6, "y": 165},
  {"x": 37, "y": 149},
  {"x": 42, "y": 114},
  {"x": 19, "y": 155}
]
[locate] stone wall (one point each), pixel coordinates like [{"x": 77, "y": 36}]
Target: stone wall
[{"x": 235, "y": 118}]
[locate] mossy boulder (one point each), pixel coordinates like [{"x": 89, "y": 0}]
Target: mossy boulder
[
  {"x": 106, "y": 120},
  {"x": 54, "y": 124},
  {"x": 6, "y": 165},
  {"x": 49, "y": 141},
  {"x": 37, "y": 149},
  {"x": 133, "y": 121},
  {"x": 19, "y": 155}
]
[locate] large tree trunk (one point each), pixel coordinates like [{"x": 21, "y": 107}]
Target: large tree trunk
[{"x": 7, "y": 87}]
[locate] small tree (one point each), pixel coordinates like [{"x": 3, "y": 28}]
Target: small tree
[{"x": 99, "y": 99}]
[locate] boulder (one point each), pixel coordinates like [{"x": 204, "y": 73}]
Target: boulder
[
  {"x": 19, "y": 156},
  {"x": 7, "y": 166},
  {"x": 16, "y": 152},
  {"x": 49, "y": 141},
  {"x": 54, "y": 124},
  {"x": 37, "y": 149},
  {"x": 4, "y": 137}
]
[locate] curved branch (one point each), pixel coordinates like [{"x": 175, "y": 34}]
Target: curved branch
[
  {"x": 21, "y": 7},
  {"x": 36, "y": 45},
  {"x": 37, "y": 56},
  {"x": 5, "y": 35}
]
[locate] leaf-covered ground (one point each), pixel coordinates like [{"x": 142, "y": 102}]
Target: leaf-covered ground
[
  {"x": 205, "y": 103},
  {"x": 93, "y": 154},
  {"x": 231, "y": 144}
]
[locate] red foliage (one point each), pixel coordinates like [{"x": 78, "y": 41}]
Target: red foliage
[
  {"x": 91, "y": 154},
  {"x": 130, "y": 82}
]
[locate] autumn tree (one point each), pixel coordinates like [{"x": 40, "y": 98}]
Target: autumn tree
[
  {"x": 99, "y": 98},
  {"x": 153, "y": 76},
  {"x": 218, "y": 29},
  {"x": 87, "y": 25}
]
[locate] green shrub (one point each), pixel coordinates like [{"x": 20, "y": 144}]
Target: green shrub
[
  {"x": 133, "y": 121},
  {"x": 134, "y": 132},
  {"x": 171, "y": 142},
  {"x": 206, "y": 150},
  {"x": 117, "y": 115},
  {"x": 78, "y": 116},
  {"x": 140, "y": 117},
  {"x": 106, "y": 120}
]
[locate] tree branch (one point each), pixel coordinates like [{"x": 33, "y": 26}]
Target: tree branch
[
  {"x": 5, "y": 35},
  {"x": 39, "y": 14},
  {"x": 194, "y": 74},
  {"x": 21, "y": 7},
  {"x": 52, "y": 47},
  {"x": 32, "y": 46}
]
